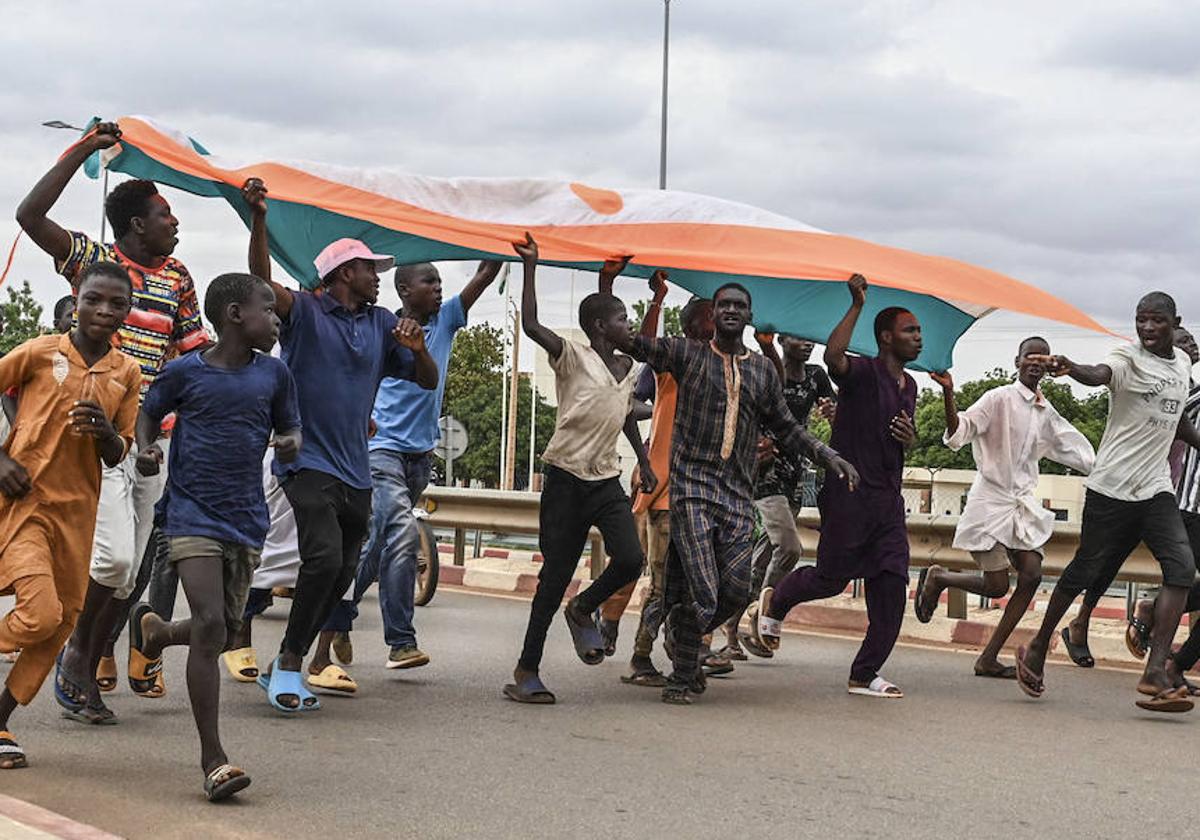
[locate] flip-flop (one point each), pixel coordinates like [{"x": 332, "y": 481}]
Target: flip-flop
[
  {"x": 143, "y": 672},
  {"x": 765, "y": 631},
  {"x": 530, "y": 689},
  {"x": 1171, "y": 700},
  {"x": 923, "y": 611},
  {"x": 93, "y": 714},
  {"x": 716, "y": 666},
  {"x": 879, "y": 688},
  {"x": 242, "y": 664},
  {"x": 676, "y": 695},
  {"x": 332, "y": 678},
  {"x": 1006, "y": 672},
  {"x": 648, "y": 679},
  {"x": 224, "y": 782},
  {"x": 589, "y": 645},
  {"x": 280, "y": 682},
  {"x": 1027, "y": 681},
  {"x": 609, "y": 631},
  {"x": 1137, "y": 638},
  {"x": 11, "y": 752},
  {"x": 751, "y": 645},
  {"x": 106, "y": 674},
  {"x": 733, "y": 654},
  {"x": 1080, "y": 654},
  {"x": 67, "y": 693}
]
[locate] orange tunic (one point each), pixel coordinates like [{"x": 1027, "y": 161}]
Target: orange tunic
[
  {"x": 662, "y": 427},
  {"x": 49, "y": 531}
]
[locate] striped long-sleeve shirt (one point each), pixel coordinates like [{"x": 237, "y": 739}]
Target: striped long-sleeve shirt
[
  {"x": 1187, "y": 474},
  {"x": 724, "y": 402}
]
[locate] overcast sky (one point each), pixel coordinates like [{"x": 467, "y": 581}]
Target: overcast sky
[{"x": 1056, "y": 142}]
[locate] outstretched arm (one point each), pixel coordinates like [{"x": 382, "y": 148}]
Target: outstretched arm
[
  {"x": 255, "y": 193},
  {"x": 839, "y": 339},
  {"x": 31, "y": 212},
  {"x": 485, "y": 275},
  {"x": 545, "y": 338},
  {"x": 1092, "y": 375}
]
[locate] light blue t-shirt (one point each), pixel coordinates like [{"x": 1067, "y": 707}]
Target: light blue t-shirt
[{"x": 406, "y": 416}]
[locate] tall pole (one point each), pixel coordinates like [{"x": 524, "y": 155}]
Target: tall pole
[
  {"x": 532, "y": 423},
  {"x": 504, "y": 383},
  {"x": 662, "y": 144},
  {"x": 510, "y": 467}
]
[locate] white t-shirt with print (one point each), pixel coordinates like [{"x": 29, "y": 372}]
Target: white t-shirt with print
[{"x": 1146, "y": 396}]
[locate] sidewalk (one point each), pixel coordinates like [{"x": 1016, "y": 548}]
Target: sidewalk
[
  {"x": 515, "y": 572},
  {"x": 21, "y": 821}
]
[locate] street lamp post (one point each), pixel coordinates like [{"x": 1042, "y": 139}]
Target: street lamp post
[{"x": 662, "y": 138}]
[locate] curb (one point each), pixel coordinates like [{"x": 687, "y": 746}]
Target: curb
[{"x": 27, "y": 820}]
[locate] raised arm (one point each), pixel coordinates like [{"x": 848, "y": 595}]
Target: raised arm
[
  {"x": 658, "y": 283},
  {"x": 839, "y": 339},
  {"x": 610, "y": 271},
  {"x": 1092, "y": 375},
  {"x": 485, "y": 275},
  {"x": 545, "y": 338},
  {"x": 31, "y": 212},
  {"x": 766, "y": 343},
  {"x": 255, "y": 193},
  {"x": 946, "y": 381}
]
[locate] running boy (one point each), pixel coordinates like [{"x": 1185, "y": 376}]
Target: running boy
[
  {"x": 227, "y": 400},
  {"x": 1130, "y": 498},
  {"x": 582, "y": 479},
  {"x": 79, "y": 400},
  {"x": 1010, "y": 430}
]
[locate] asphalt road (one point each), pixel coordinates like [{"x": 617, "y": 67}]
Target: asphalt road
[{"x": 779, "y": 750}]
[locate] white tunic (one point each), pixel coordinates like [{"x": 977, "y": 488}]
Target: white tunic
[{"x": 1010, "y": 429}]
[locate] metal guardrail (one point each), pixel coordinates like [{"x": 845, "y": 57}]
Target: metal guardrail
[{"x": 930, "y": 535}]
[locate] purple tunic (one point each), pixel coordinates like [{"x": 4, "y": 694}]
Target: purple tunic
[{"x": 863, "y": 533}]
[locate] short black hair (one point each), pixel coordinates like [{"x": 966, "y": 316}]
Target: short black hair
[
  {"x": 885, "y": 321},
  {"x": 104, "y": 268},
  {"x": 1158, "y": 302},
  {"x": 739, "y": 287},
  {"x": 691, "y": 309},
  {"x": 227, "y": 289},
  {"x": 128, "y": 200},
  {"x": 404, "y": 273},
  {"x": 1021, "y": 346},
  {"x": 63, "y": 304},
  {"x": 595, "y": 306}
]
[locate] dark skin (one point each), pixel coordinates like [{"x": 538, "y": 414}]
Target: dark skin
[
  {"x": 103, "y": 305},
  {"x": 1028, "y": 564},
  {"x": 1156, "y": 328},
  {"x": 606, "y": 336},
  {"x": 897, "y": 347},
  {"x": 151, "y": 238},
  {"x": 796, "y": 354},
  {"x": 244, "y": 328}
]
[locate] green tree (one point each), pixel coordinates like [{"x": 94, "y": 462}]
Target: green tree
[
  {"x": 1088, "y": 415},
  {"x": 20, "y": 318},
  {"x": 474, "y": 392},
  {"x": 670, "y": 318}
]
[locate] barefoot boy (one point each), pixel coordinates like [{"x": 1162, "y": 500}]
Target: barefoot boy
[
  {"x": 78, "y": 405},
  {"x": 227, "y": 400}
]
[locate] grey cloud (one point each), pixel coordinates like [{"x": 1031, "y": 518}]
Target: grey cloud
[{"x": 1158, "y": 39}]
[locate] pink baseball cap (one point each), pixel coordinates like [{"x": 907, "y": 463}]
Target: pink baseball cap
[{"x": 343, "y": 250}]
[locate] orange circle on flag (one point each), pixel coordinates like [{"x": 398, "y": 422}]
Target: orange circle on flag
[{"x": 605, "y": 202}]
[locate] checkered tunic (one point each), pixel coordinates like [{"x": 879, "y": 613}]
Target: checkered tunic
[{"x": 712, "y": 514}]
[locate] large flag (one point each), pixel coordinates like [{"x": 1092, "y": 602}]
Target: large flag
[{"x": 795, "y": 273}]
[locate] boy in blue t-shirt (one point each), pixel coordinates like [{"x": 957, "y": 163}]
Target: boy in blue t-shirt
[{"x": 227, "y": 400}]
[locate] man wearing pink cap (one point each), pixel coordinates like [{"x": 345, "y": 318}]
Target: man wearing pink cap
[{"x": 339, "y": 346}]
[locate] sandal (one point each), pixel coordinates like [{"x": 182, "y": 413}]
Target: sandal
[
  {"x": 584, "y": 635},
  {"x": 878, "y": 688},
  {"x": 648, "y": 679},
  {"x": 1027, "y": 680},
  {"x": 530, "y": 689},
  {"x": 921, "y": 609},
  {"x": 752, "y": 646},
  {"x": 224, "y": 782},
  {"x": 1080, "y": 654},
  {"x": 1171, "y": 700},
  {"x": 106, "y": 674},
  {"x": 1137, "y": 638},
  {"x": 280, "y": 682},
  {"x": 242, "y": 664},
  {"x": 93, "y": 714},
  {"x": 12, "y": 757},
  {"x": 608, "y": 632},
  {"x": 676, "y": 695},
  {"x": 332, "y": 678},
  {"x": 733, "y": 653},
  {"x": 67, "y": 693},
  {"x": 145, "y": 674}
]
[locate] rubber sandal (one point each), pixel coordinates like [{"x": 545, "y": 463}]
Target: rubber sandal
[
  {"x": 922, "y": 610},
  {"x": 751, "y": 645},
  {"x": 93, "y": 714},
  {"x": 676, "y": 695},
  {"x": 878, "y": 688},
  {"x": 530, "y": 689},
  {"x": 1170, "y": 700},
  {"x": 589, "y": 646},
  {"x": 608, "y": 632},
  {"x": 242, "y": 664},
  {"x": 716, "y": 666},
  {"x": 733, "y": 654},
  {"x": 11, "y": 752},
  {"x": 1137, "y": 638},
  {"x": 106, "y": 674},
  {"x": 280, "y": 682},
  {"x": 224, "y": 782},
  {"x": 67, "y": 693},
  {"x": 1080, "y": 654},
  {"x": 1006, "y": 672},
  {"x": 646, "y": 679},
  {"x": 332, "y": 678},
  {"x": 1027, "y": 680},
  {"x": 143, "y": 672}
]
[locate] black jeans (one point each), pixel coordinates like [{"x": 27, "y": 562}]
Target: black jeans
[
  {"x": 331, "y": 523},
  {"x": 570, "y": 507}
]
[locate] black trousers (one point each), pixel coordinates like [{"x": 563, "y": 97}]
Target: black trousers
[
  {"x": 332, "y": 520},
  {"x": 570, "y": 507}
]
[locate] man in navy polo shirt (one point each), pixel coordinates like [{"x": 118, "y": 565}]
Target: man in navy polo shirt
[
  {"x": 406, "y": 420},
  {"x": 339, "y": 347}
]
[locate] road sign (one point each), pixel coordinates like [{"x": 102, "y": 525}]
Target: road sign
[{"x": 452, "y": 444}]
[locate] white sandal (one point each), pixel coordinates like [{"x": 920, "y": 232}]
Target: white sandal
[{"x": 879, "y": 687}]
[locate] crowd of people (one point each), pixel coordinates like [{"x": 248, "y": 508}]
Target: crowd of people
[{"x": 146, "y": 453}]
